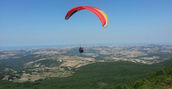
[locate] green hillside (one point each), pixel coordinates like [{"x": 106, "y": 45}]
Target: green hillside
[
  {"x": 108, "y": 75},
  {"x": 157, "y": 80}
]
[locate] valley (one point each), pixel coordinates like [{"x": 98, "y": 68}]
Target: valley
[{"x": 35, "y": 64}]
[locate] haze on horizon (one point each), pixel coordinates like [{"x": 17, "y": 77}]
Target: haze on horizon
[{"x": 41, "y": 22}]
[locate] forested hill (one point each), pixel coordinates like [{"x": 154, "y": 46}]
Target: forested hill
[
  {"x": 157, "y": 80},
  {"x": 106, "y": 75}
]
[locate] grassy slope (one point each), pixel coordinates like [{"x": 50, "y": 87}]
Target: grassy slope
[{"x": 94, "y": 76}]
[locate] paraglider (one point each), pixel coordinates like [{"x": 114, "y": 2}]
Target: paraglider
[{"x": 101, "y": 15}]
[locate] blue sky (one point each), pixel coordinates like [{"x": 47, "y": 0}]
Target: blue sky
[{"x": 41, "y": 22}]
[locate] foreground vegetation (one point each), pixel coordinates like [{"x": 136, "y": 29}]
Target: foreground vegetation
[
  {"x": 157, "y": 80},
  {"x": 108, "y": 75}
]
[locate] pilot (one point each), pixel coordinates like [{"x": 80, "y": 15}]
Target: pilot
[{"x": 81, "y": 49}]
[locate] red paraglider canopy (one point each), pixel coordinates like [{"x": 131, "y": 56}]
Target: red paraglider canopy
[{"x": 102, "y": 16}]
